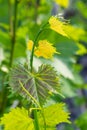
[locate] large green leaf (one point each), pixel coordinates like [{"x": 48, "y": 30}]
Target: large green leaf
[{"x": 38, "y": 84}]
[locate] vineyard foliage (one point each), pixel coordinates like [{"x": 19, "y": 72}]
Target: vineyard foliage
[{"x": 43, "y": 65}]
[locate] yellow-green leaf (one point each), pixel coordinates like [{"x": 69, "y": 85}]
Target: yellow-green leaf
[
  {"x": 17, "y": 119},
  {"x": 44, "y": 49},
  {"x": 74, "y": 32},
  {"x": 54, "y": 115},
  {"x": 63, "y": 3},
  {"x": 57, "y": 26},
  {"x": 82, "y": 50}
]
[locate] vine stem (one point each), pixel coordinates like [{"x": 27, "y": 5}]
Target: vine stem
[
  {"x": 32, "y": 53},
  {"x": 35, "y": 42},
  {"x": 12, "y": 32},
  {"x": 35, "y": 108},
  {"x": 13, "y": 29},
  {"x": 36, "y": 123}
]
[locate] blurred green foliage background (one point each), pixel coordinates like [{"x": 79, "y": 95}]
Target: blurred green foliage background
[{"x": 20, "y": 21}]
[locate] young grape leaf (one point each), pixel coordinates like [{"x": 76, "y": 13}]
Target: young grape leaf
[
  {"x": 54, "y": 115},
  {"x": 17, "y": 119},
  {"x": 38, "y": 84}
]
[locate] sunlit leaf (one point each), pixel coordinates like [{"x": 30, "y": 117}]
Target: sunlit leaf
[
  {"x": 57, "y": 25},
  {"x": 44, "y": 49},
  {"x": 82, "y": 50},
  {"x": 17, "y": 119},
  {"x": 54, "y": 115},
  {"x": 63, "y": 69},
  {"x": 63, "y": 3},
  {"x": 74, "y": 32}
]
